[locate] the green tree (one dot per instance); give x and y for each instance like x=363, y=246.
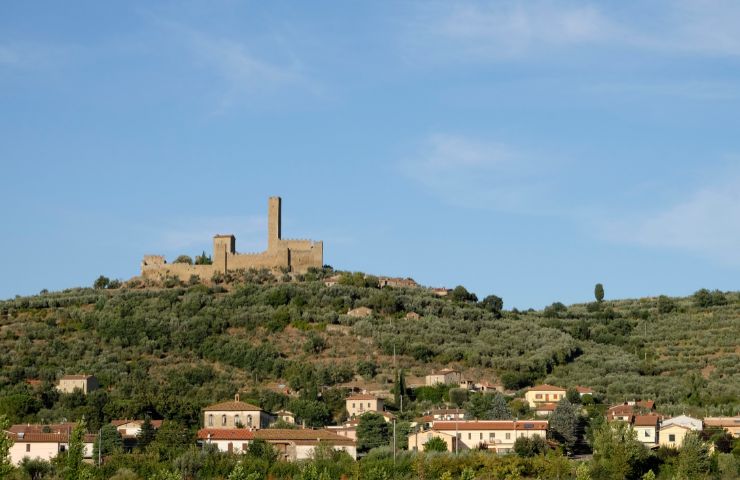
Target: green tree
x=203, y=259
x=172, y=439
x=461, y=294
x=261, y=449
x=184, y=259
x=458, y=396
x=599, y=292
x=372, y=431
x=146, y=434
x=73, y=466
x=435, y=444
x=693, y=458
x=617, y=452
x=573, y=396
x=399, y=389
x=101, y=282
x=564, y=424
x=5, y=445
x=493, y=304
x=529, y=447
x=109, y=439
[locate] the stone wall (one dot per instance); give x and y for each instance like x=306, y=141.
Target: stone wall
x=291, y=255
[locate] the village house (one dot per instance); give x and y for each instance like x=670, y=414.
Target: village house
x=673, y=430
x=583, y=391
x=544, y=409
x=446, y=376
x=44, y=442
x=416, y=441
x=85, y=383
x=362, y=403
x=447, y=414
x=489, y=387
x=730, y=424
x=291, y=445
x=236, y=414
x=544, y=394
x=132, y=428
x=646, y=427
x=625, y=411
x=494, y=435
x=285, y=416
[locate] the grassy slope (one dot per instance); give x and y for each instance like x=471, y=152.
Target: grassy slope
x=193, y=346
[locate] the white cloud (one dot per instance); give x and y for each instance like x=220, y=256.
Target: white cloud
x=484, y=30
x=479, y=174
x=706, y=223
x=245, y=71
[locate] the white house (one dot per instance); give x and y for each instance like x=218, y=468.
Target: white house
x=291, y=445
x=495, y=435
x=44, y=442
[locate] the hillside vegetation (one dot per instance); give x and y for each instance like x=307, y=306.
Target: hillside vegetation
x=168, y=352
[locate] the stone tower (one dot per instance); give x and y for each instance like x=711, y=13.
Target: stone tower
x=273, y=222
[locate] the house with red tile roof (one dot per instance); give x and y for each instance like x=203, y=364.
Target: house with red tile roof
x=43, y=442
x=235, y=414
x=361, y=403
x=494, y=435
x=290, y=444
x=544, y=394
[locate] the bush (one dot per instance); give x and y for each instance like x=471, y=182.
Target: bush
x=101, y=282
x=184, y=259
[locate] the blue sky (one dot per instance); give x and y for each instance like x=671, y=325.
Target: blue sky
x=528, y=149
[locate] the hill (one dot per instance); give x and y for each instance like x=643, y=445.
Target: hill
x=167, y=352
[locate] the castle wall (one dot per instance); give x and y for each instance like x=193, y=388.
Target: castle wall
x=295, y=255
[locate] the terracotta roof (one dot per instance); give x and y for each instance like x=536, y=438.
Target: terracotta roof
x=38, y=428
x=225, y=434
x=301, y=436
x=75, y=377
x=363, y=396
x=118, y=423
x=491, y=425
x=645, y=420
x=35, y=437
x=545, y=388
x=232, y=406
x=722, y=421
x=546, y=407
x=446, y=411
x=584, y=390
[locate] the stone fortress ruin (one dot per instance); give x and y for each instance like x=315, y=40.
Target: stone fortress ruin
x=286, y=255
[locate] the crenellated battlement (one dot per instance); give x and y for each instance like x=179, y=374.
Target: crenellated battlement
x=296, y=255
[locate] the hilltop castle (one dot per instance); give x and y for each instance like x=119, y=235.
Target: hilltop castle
x=290, y=255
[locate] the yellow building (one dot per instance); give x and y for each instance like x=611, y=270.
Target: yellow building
x=544, y=394
x=363, y=403
x=673, y=430
x=85, y=383
x=236, y=414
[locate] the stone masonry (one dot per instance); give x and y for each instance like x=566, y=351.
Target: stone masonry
x=290, y=255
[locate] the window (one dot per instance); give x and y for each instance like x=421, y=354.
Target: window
x=28, y=447
x=492, y=435
x=481, y=436
x=508, y=436
x=647, y=433
x=671, y=437
x=368, y=404
x=210, y=420
x=249, y=420
x=223, y=420
x=237, y=421
x=244, y=447
x=470, y=435
x=353, y=405
x=538, y=395
x=231, y=447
